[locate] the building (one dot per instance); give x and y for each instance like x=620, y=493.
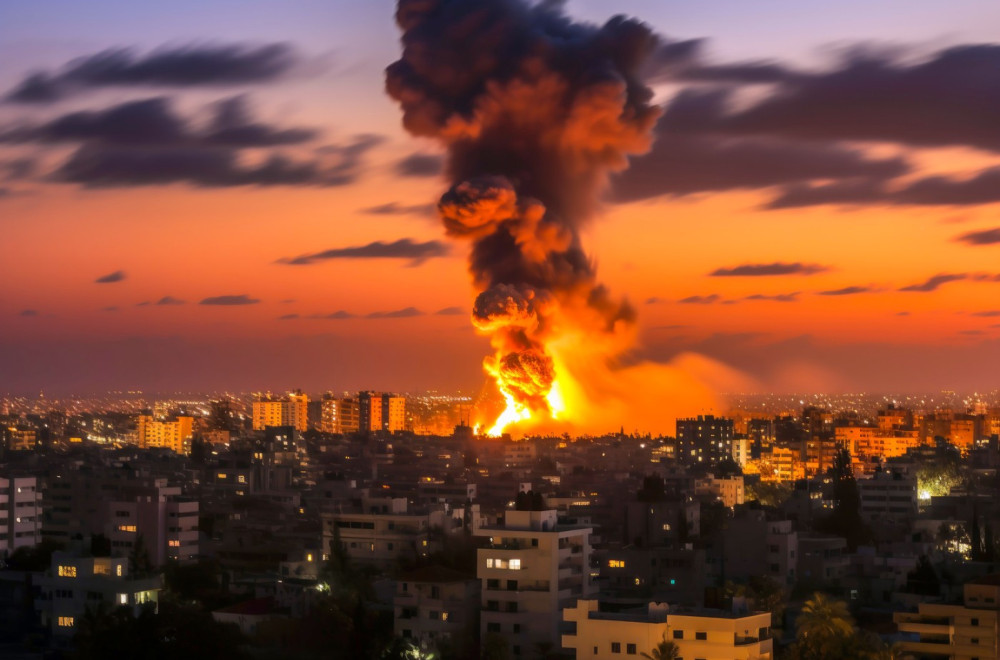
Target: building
x=698, y=633
x=289, y=410
x=122, y=507
x=532, y=569
x=379, y=411
x=75, y=583
x=889, y=497
x=174, y=435
x=960, y=632
x=704, y=439
x=382, y=531
x=754, y=546
x=728, y=490
x=20, y=513
x=437, y=607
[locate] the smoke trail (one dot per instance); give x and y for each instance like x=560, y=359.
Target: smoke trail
x=535, y=112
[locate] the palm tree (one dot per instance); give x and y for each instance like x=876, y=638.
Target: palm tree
x=665, y=650
x=823, y=617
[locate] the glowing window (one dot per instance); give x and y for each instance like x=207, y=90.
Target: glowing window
x=489, y=562
x=221, y=475
x=242, y=479
x=126, y=528
x=616, y=563
x=66, y=621
x=174, y=543
x=67, y=571
x=444, y=616
x=515, y=564
x=123, y=599
x=118, y=570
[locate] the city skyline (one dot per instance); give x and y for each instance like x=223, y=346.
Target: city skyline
x=231, y=203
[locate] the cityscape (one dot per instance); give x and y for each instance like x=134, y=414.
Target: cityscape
x=499, y=330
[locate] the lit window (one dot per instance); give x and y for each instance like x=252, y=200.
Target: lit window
x=242, y=479
x=489, y=562
x=66, y=621
x=174, y=543
x=118, y=570
x=616, y=563
x=67, y=571
x=221, y=475
x=126, y=528
x=309, y=557
x=123, y=599
x=444, y=616
x=515, y=564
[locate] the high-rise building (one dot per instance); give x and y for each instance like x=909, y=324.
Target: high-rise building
x=172, y=434
x=704, y=439
x=289, y=410
x=379, y=411
x=532, y=569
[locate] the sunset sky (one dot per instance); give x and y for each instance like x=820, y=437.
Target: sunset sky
x=219, y=195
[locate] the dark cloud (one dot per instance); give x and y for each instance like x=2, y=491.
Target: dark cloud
x=948, y=98
x=405, y=313
x=974, y=333
x=110, y=278
x=674, y=61
x=190, y=66
x=17, y=169
x=169, y=300
x=421, y=165
x=288, y=317
x=28, y=312
x=234, y=126
x=450, y=311
x=104, y=166
x=681, y=165
x=146, y=143
x=983, y=188
x=701, y=300
x=395, y=208
x=153, y=122
x=849, y=192
x=653, y=300
x=779, y=297
x=144, y=303
x=776, y=268
x=847, y=291
x=110, y=308
x=902, y=313
x=988, y=313
x=241, y=299
x=934, y=282
x=339, y=315
x=404, y=248
x=984, y=237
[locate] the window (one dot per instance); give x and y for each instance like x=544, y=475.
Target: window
x=123, y=599
x=489, y=562
x=444, y=616
x=493, y=627
x=434, y=615
x=616, y=647
x=512, y=606
x=66, y=621
x=406, y=587
x=174, y=543
x=492, y=584
x=435, y=592
x=515, y=564
x=975, y=622
x=511, y=585
x=678, y=634
x=118, y=570
x=630, y=649
x=67, y=571
x=517, y=628
x=701, y=635
x=616, y=563
x=126, y=528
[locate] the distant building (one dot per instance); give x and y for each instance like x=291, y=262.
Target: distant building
x=888, y=497
x=704, y=439
x=383, y=531
x=755, y=546
x=379, y=411
x=20, y=513
x=697, y=633
x=174, y=435
x=532, y=569
x=289, y=410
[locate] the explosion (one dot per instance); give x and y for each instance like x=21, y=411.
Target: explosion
x=535, y=112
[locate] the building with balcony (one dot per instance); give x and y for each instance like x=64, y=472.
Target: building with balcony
x=382, y=531
x=957, y=632
x=698, y=633
x=532, y=569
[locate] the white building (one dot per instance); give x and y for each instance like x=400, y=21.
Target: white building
x=704, y=634
x=20, y=513
x=76, y=583
x=532, y=569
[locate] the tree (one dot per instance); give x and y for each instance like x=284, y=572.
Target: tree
x=139, y=563
x=665, y=650
x=824, y=630
x=495, y=647
x=845, y=521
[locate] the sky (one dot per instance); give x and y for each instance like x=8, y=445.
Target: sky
x=220, y=195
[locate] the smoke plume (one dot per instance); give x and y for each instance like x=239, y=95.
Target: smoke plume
x=535, y=112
